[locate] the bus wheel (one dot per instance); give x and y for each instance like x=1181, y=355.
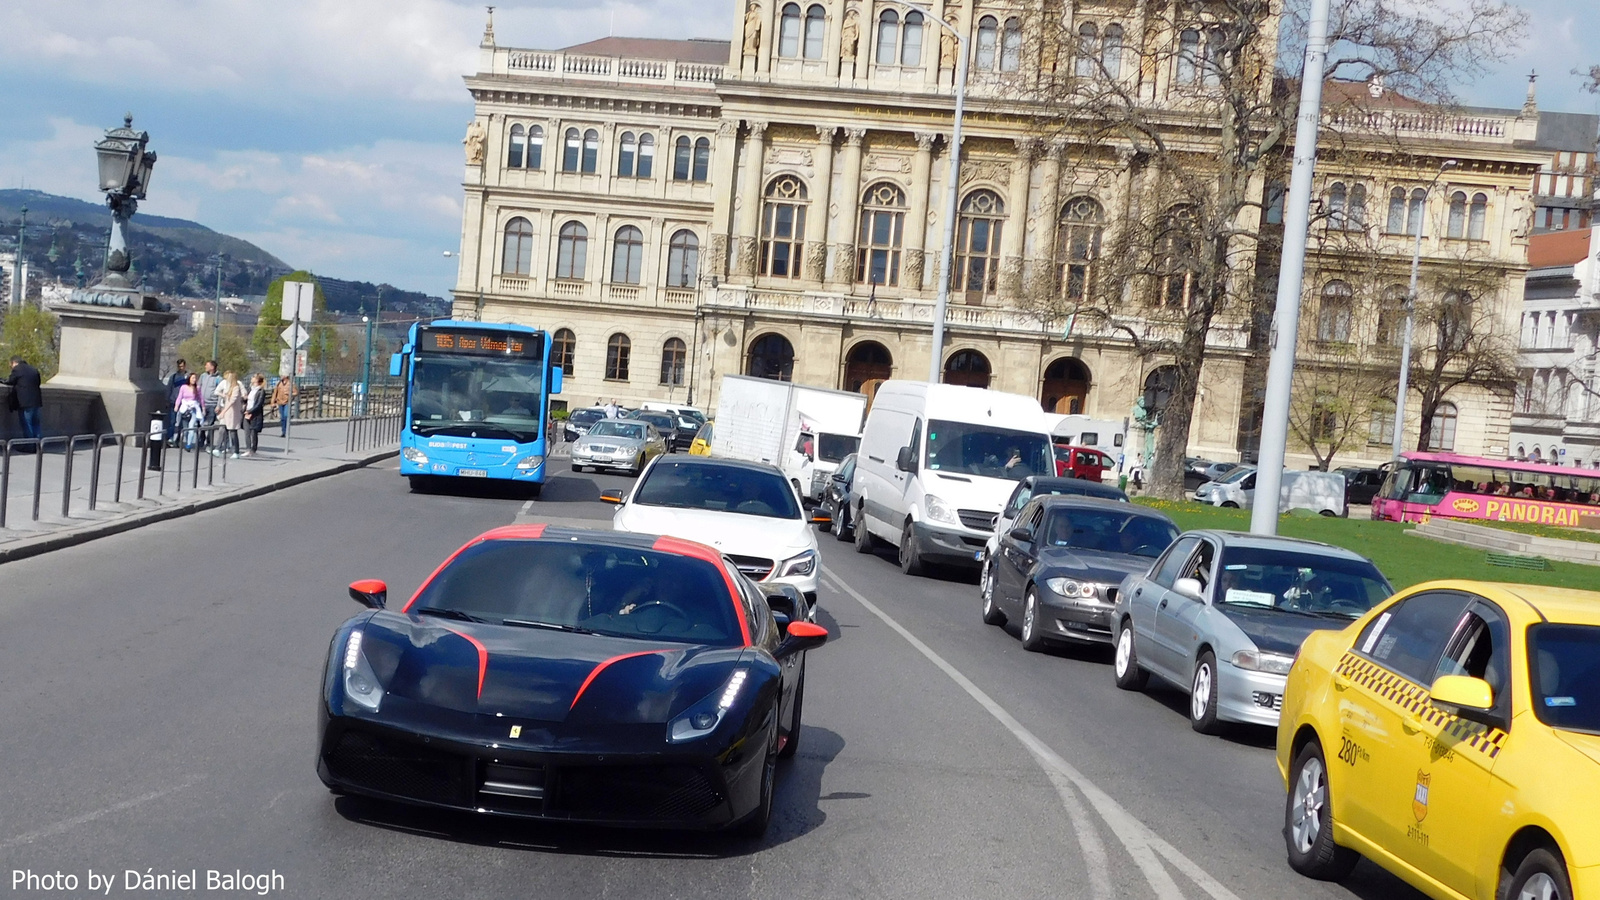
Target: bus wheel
x=420, y=484
x=533, y=490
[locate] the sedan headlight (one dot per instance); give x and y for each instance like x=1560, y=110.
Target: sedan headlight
x=530, y=462
x=939, y=511
x=802, y=564
x=413, y=455
x=1262, y=661
x=361, y=686
x=703, y=718
x=1072, y=588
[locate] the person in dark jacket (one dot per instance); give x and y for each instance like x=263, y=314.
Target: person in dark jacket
x=26, y=397
x=175, y=381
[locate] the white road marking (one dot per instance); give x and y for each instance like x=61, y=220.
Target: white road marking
x=1142, y=844
x=67, y=825
x=525, y=507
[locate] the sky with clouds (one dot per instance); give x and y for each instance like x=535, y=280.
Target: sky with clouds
x=328, y=131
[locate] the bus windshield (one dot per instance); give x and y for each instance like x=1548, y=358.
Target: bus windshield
x=962, y=448
x=466, y=395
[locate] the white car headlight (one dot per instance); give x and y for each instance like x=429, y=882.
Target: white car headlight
x=1072, y=588
x=939, y=511
x=530, y=462
x=413, y=455
x=1263, y=661
x=801, y=564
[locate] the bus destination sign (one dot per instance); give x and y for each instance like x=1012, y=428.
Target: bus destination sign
x=482, y=343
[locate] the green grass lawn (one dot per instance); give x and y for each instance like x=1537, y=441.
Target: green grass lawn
x=1406, y=560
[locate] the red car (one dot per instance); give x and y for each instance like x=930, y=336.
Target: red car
x=1081, y=462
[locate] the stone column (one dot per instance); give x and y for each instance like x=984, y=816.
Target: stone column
x=1044, y=227
x=1011, y=243
x=722, y=181
x=844, y=239
x=115, y=351
x=816, y=262
x=916, y=236
x=750, y=200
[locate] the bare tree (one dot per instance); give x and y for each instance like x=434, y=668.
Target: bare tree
x=1181, y=258
x=1464, y=341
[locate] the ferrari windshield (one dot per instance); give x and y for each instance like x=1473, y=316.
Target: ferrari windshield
x=963, y=448
x=1269, y=578
x=573, y=586
x=734, y=489
x=1565, y=665
x=618, y=429
x=463, y=394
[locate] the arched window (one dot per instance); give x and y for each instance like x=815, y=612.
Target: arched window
x=987, y=50
x=816, y=31
x=1414, y=211
x=911, y=40
x=888, y=35
x=683, y=259
x=572, y=151
x=591, y=152
x=673, y=353
x=883, y=218
x=1088, y=50
x=535, y=147
x=1335, y=313
x=867, y=361
x=572, y=251
x=977, y=258
x=647, y=156
x=627, y=256
x=789, y=30
x=516, y=146
x=1212, y=58
x=1457, y=223
x=771, y=356
x=1356, y=215
x=627, y=146
x=562, y=347
x=1159, y=386
x=1011, y=46
x=1397, y=212
x=518, y=256
x=967, y=367
x=1111, y=51
x=1082, y=223
x=1189, y=57
x=618, y=348
x=1443, y=434
x=1478, y=212
x=1392, y=316
x=1337, y=195
x=702, y=159
x=1177, y=255
x=682, y=153
x=783, y=228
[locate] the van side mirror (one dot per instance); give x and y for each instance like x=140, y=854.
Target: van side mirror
x=906, y=461
x=369, y=592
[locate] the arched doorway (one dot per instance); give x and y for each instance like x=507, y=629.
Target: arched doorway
x=1159, y=386
x=867, y=361
x=967, y=367
x=771, y=356
x=1066, y=386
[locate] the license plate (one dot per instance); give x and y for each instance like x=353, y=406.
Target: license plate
x=473, y=473
x=977, y=555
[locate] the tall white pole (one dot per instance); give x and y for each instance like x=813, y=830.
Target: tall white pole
x=1286, y=318
x=946, y=261
x=1411, y=309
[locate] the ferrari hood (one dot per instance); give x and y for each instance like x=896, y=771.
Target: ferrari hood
x=730, y=533
x=531, y=673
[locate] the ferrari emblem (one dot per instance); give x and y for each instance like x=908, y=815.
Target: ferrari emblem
x=1419, y=800
x=516, y=731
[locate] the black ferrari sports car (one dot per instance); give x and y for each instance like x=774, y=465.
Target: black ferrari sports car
x=571, y=675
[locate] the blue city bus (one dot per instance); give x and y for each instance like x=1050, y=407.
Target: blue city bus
x=477, y=402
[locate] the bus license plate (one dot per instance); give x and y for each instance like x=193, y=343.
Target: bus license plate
x=473, y=473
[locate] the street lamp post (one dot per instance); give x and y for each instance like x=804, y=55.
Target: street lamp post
x=125, y=167
x=16, y=264
x=1411, y=307
x=216, y=314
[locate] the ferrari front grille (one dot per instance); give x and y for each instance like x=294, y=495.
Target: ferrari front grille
x=518, y=789
x=393, y=767
x=662, y=793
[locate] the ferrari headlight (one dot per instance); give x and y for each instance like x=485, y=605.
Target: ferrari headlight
x=803, y=564
x=1262, y=661
x=413, y=455
x=1072, y=588
x=361, y=686
x=530, y=462
x=939, y=511
x=703, y=718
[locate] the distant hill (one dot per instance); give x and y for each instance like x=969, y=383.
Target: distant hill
x=363, y=297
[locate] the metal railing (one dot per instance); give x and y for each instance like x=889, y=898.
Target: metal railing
x=96, y=451
x=368, y=432
x=340, y=398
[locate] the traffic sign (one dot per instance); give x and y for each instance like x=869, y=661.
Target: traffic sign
x=297, y=300
x=300, y=359
x=295, y=335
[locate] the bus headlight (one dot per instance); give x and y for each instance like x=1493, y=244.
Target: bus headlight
x=530, y=462
x=413, y=455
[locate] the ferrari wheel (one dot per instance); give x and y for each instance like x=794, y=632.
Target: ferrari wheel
x=991, y=611
x=754, y=826
x=1308, y=820
x=1125, y=665
x=1203, y=696
x=792, y=745
x=1032, y=640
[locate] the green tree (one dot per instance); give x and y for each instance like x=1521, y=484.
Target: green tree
x=233, y=354
x=266, y=343
x=30, y=332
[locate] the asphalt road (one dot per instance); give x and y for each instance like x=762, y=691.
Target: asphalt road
x=158, y=708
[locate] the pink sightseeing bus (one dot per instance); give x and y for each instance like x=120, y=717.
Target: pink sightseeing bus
x=1424, y=485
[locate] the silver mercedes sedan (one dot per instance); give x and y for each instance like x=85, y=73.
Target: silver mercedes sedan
x=1222, y=614
x=618, y=444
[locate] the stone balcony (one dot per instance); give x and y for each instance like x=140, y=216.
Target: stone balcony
x=1406, y=124
x=565, y=66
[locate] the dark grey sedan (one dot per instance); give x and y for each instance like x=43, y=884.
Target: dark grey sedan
x=1058, y=567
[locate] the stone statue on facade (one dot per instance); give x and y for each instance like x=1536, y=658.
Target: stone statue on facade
x=948, y=46
x=850, y=36
x=474, y=143
x=752, y=29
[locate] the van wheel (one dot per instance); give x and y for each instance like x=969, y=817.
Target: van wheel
x=910, y=555
x=1329, y=513
x=1230, y=505
x=865, y=543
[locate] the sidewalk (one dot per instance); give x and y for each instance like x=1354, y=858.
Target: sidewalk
x=316, y=450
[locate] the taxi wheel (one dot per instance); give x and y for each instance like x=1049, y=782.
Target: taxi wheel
x=991, y=610
x=1032, y=637
x=1540, y=876
x=1203, y=696
x=1125, y=665
x=1308, y=820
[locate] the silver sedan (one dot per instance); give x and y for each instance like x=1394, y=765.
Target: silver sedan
x=1221, y=615
x=618, y=444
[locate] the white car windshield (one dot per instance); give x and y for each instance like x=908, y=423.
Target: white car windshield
x=718, y=488
x=617, y=429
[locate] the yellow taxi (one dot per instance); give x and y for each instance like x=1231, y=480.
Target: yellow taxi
x=702, y=440
x=1452, y=736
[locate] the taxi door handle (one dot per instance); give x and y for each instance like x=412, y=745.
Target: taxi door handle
x=1340, y=684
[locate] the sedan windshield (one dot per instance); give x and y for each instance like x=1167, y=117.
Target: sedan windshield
x=570, y=586
x=663, y=422
x=1108, y=532
x=962, y=448
x=733, y=489
x=618, y=429
x=457, y=395
x=1565, y=665
x=1299, y=582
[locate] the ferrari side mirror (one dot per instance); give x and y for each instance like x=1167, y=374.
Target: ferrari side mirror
x=801, y=636
x=369, y=592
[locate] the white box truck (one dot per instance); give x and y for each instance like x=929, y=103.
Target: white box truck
x=805, y=431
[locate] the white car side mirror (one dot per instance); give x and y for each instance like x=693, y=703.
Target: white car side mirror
x=1189, y=587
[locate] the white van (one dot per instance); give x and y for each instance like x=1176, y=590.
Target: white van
x=1320, y=492
x=936, y=464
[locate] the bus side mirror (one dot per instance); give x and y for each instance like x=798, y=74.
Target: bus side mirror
x=396, y=363
x=555, y=380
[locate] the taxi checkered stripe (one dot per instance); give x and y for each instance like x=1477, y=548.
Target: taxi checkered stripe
x=1414, y=699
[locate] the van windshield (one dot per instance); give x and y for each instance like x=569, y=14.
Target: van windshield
x=964, y=448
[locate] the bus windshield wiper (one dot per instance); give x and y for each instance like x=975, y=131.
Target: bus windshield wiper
x=460, y=429
x=446, y=613
x=552, y=626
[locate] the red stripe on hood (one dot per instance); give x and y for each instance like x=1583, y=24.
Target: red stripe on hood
x=711, y=555
x=597, y=670
x=483, y=654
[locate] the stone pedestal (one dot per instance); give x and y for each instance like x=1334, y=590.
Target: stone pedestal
x=114, y=350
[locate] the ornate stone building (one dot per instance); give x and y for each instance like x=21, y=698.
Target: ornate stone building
x=679, y=210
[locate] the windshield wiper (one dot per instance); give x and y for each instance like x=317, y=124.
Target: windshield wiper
x=455, y=429
x=552, y=626
x=446, y=613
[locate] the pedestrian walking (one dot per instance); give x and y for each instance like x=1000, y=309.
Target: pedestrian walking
x=255, y=412
x=189, y=411
x=229, y=414
x=26, y=397
x=175, y=383
x=209, y=381
x=283, y=395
